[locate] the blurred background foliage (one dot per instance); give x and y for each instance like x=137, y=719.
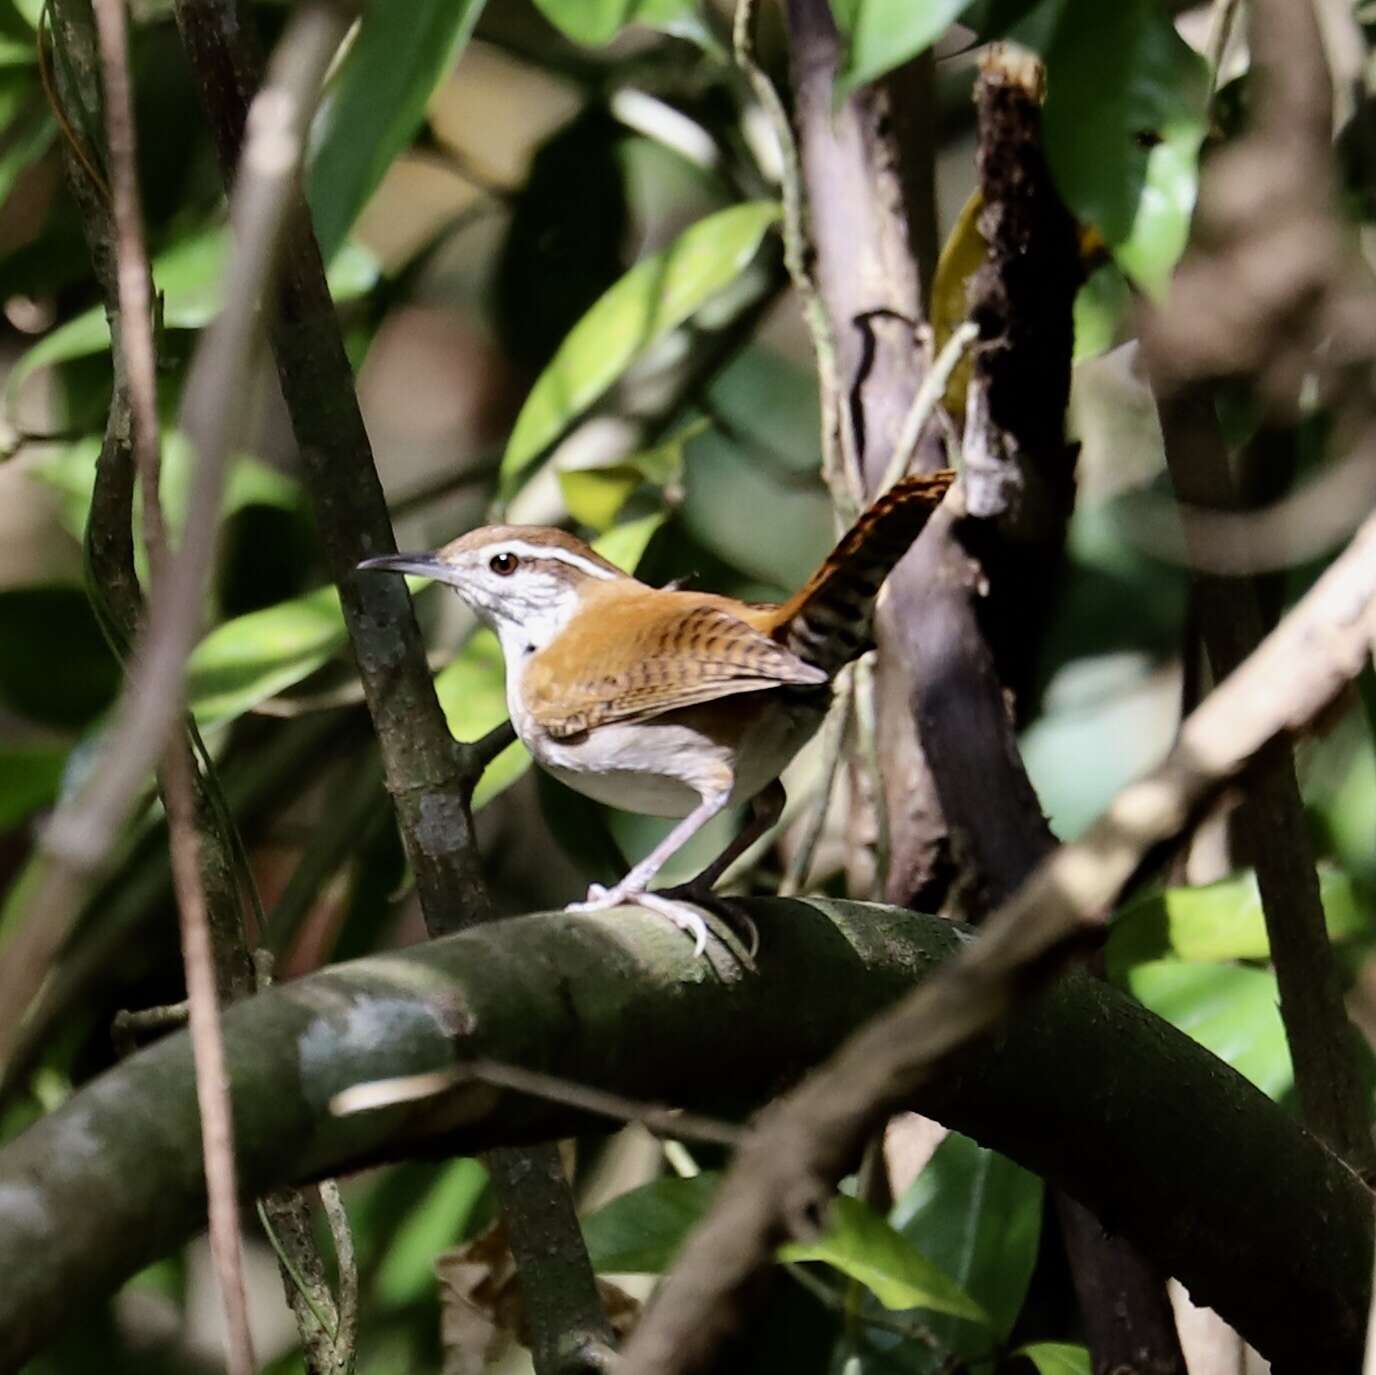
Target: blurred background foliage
x=552, y=236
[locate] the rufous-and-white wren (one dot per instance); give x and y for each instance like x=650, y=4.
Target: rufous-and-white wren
x=665, y=701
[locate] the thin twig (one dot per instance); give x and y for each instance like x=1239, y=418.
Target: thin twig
x=74, y=140
x=866, y=690
x=656, y=1118
x=328, y=1329
x=133, y=280
x=1221, y=22
x=1297, y=528
x=829, y=1297
x=783, y=1174
x=833, y=748
x=212, y=1083
x=928, y=398
x=346, y=1332
x=136, y=343
x=127, y=1027
x=841, y=469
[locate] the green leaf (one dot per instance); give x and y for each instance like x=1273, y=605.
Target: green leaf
x=377, y=103
x=861, y=1244
x=71, y=471
x=1230, y=1009
x=1057, y=1358
x=596, y=493
x=1218, y=921
x=251, y=658
x=1029, y=22
x=18, y=44
x=440, y=1219
x=882, y=34
x=55, y=667
x=1101, y=305
x=594, y=23
x=657, y=295
x=190, y=276
x=472, y=693
x=977, y=1216
x=30, y=776
x=1124, y=119
x=25, y=116
x=641, y=1231
x=625, y=545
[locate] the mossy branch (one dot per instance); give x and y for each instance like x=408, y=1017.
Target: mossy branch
x=1164, y=1142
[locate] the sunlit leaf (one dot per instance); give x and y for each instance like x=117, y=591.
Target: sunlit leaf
x=18, y=44
x=71, y=471
x=596, y=22
x=861, y=1244
x=595, y=493
x=1233, y=1010
x=1124, y=118
x=625, y=545
x=377, y=103
x=1101, y=305
x=1057, y=1358
x=654, y=297
x=1161, y=227
x=962, y=255
x=882, y=34
x=190, y=276
x=977, y=1216
x=1218, y=921
x=641, y=1231
x=251, y=658
x=440, y=1219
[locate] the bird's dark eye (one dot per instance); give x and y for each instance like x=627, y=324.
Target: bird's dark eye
x=503, y=563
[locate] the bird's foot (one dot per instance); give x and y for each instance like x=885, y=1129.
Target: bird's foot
x=728, y=910
x=684, y=916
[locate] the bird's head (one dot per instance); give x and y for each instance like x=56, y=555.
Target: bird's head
x=525, y=581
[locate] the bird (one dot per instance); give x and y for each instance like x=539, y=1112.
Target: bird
x=664, y=700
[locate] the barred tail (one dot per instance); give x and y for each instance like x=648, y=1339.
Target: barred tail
x=827, y=624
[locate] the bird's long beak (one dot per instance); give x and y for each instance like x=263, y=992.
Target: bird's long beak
x=423, y=565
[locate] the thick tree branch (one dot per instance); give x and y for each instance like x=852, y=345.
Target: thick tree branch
x=964, y=612
x=809, y=1139
x=871, y=215
x=1214, y=1181
x=972, y=625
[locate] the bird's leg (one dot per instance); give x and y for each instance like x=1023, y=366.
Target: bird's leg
x=633, y=887
x=766, y=807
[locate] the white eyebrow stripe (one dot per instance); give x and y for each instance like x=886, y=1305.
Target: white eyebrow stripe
x=525, y=550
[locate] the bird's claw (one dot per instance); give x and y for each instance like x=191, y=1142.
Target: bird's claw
x=688, y=919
